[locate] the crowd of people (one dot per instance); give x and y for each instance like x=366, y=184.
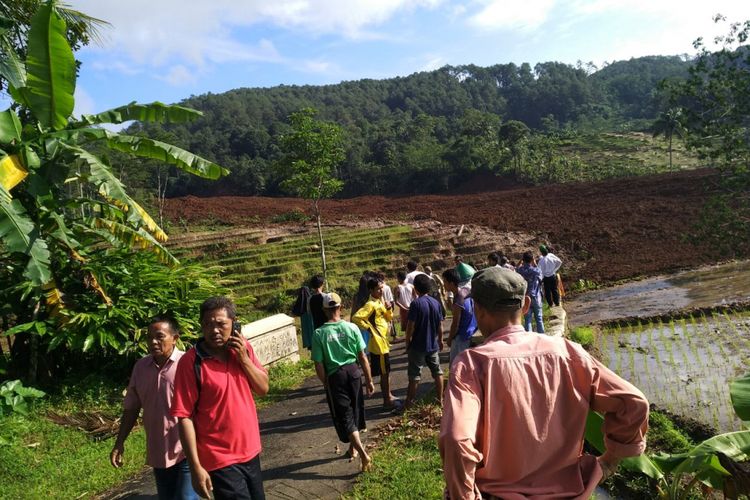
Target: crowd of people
x=515, y=405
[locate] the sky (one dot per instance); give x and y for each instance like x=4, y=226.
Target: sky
x=168, y=50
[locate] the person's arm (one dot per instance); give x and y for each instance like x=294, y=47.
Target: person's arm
x=440, y=332
x=365, y=364
x=360, y=318
x=458, y=445
x=200, y=478
x=127, y=421
x=254, y=371
x=320, y=371
x=625, y=411
x=456, y=311
x=557, y=262
x=409, y=333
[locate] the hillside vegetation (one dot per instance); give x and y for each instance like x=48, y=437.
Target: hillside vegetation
x=425, y=132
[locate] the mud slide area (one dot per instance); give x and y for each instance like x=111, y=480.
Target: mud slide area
x=606, y=231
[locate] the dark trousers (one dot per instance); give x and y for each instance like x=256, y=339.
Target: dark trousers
x=551, y=292
x=239, y=481
x=174, y=482
x=346, y=401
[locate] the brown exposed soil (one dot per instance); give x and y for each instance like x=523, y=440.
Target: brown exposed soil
x=612, y=230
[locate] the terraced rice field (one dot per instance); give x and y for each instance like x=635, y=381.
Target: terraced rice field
x=684, y=365
x=264, y=276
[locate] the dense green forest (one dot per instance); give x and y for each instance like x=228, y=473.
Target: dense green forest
x=421, y=133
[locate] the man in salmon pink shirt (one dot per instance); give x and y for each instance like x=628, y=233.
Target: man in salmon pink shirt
x=515, y=408
x=214, y=403
x=151, y=387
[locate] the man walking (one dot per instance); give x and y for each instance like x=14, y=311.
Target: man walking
x=549, y=264
x=337, y=346
x=214, y=403
x=374, y=317
x=463, y=322
x=533, y=277
x=424, y=339
x=150, y=388
x=516, y=407
x=404, y=296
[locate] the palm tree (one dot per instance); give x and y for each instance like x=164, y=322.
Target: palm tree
x=668, y=124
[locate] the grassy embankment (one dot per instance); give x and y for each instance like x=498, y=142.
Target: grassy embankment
x=609, y=155
x=265, y=277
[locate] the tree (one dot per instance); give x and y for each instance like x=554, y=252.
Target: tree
x=513, y=137
x=668, y=124
x=59, y=202
x=312, y=152
x=715, y=104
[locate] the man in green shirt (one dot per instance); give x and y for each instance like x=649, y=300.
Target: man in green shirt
x=336, y=348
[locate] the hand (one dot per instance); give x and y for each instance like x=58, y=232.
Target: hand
x=370, y=388
x=115, y=457
x=201, y=482
x=608, y=467
x=237, y=343
x=441, y=346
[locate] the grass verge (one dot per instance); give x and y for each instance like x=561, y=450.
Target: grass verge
x=406, y=460
x=44, y=459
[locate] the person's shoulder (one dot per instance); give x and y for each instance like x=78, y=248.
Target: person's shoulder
x=142, y=363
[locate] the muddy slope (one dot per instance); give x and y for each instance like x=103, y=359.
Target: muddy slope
x=613, y=229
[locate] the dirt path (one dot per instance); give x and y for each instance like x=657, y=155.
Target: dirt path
x=299, y=456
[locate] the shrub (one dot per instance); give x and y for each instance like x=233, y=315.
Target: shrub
x=584, y=335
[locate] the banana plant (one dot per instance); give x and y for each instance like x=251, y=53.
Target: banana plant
x=59, y=198
x=712, y=464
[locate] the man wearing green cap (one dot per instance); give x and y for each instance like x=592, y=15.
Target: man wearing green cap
x=549, y=264
x=516, y=406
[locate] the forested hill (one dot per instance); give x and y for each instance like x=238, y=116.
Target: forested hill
x=419, y=133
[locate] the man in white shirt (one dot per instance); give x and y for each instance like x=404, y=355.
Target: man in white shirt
x=549, y=264
x=412, y=272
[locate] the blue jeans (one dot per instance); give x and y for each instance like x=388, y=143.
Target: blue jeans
x=536, y=310
x=174, y=483
x=458, y=345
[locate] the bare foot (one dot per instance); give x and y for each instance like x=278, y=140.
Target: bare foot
x=366, y=463
x=352, y=453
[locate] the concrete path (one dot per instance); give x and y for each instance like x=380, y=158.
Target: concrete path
x=302, y=456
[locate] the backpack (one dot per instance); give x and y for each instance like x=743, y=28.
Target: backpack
x=299, y=307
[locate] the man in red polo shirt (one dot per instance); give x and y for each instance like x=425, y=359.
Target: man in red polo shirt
x=213, y=400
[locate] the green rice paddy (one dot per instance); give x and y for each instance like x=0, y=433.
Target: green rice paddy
x=683, y=365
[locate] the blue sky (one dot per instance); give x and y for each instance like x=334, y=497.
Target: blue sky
x=167, y=50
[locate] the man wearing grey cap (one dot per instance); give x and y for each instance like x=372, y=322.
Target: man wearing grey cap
x=516, y=406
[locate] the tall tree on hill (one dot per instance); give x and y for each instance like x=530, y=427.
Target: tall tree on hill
x=313, y=150
x=668, y=124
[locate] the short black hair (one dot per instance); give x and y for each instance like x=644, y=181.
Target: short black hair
x=316, y=282
x=373, y=283
x=494, y=257
x=528, y=257
x=411, y=265
x=503, y=260
x=422, y=283
x=170, y=320
x=401, y=276
x=451, y=276
x=214, y=303
x=380, y=275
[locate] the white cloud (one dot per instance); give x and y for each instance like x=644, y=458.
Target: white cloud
x=511, y=14
x=433, y=63
x=84, y=103
x=178, y=75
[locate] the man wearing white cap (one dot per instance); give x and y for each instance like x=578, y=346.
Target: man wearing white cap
x=336, y=348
